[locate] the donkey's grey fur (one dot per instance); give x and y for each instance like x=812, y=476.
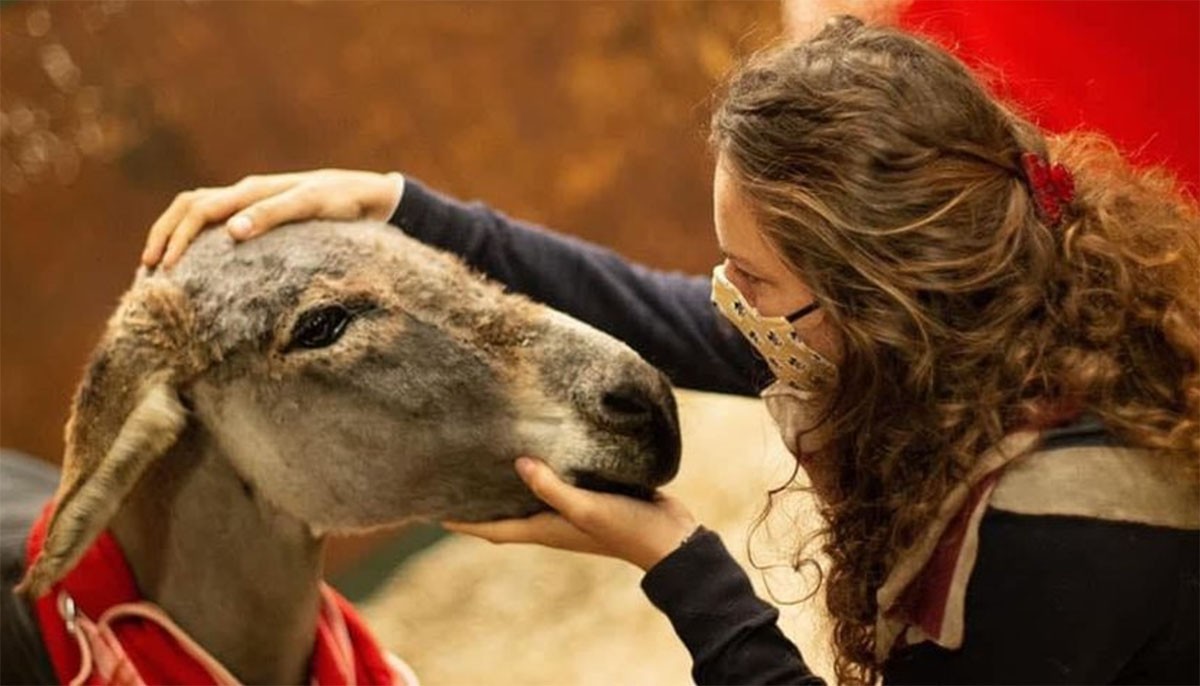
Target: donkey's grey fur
x=438, y=382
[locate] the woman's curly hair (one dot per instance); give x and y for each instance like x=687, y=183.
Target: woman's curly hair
x=889, y=179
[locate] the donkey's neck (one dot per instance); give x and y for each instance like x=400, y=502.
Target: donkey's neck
x=240, y=577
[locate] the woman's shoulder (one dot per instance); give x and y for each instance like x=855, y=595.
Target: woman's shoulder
x=1082, y=561
x=1083, y=470
x=1044, y=555
x=1066, y=532
x=1078, y=599
x=1087, y=562
x=1085, y=504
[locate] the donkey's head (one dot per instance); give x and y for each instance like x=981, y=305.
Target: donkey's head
x=353, y=377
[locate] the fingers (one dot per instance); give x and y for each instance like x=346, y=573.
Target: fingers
x=300, y=202
x=191, y=211
x=506, y=530
x=325, y=194
x=160, y=232
x=257, y=204
x=576, y=504
x=546, y=528
x=639, y=532
x=193, y=220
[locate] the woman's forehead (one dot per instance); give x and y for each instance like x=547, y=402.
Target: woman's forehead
x=736, y=224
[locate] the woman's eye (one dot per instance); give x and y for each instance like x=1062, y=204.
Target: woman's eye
x=746, y=276
x=319, y=327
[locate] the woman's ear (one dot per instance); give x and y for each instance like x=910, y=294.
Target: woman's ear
x=126, y=414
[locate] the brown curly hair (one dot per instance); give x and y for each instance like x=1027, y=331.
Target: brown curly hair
x=888, y=178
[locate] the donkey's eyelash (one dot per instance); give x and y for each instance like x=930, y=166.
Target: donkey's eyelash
x=321, y=326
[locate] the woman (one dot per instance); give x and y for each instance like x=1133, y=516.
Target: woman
x=980, y=344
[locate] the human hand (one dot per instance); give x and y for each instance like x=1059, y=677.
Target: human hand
x=257, y=204
x=639, y=532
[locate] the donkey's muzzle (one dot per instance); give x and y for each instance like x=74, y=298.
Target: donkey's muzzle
x=644, y=409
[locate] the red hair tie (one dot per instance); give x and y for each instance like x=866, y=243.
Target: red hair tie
x=1053, y=188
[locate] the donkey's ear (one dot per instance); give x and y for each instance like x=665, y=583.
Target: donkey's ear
x=126, y=414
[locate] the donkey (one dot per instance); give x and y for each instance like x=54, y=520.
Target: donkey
x=326, y=377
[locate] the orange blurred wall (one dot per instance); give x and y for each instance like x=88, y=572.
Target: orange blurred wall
x=589, y=117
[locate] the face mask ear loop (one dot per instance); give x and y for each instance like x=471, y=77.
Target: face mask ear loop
x=802, y=312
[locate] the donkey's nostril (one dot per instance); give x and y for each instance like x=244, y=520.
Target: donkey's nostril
x=640, y=417
x=627, y=403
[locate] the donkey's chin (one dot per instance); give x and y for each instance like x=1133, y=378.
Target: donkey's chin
x=494, y=511
x=593, y=481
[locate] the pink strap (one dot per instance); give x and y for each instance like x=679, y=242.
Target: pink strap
x=104, y=660
x=153, y=613
x=102, y=653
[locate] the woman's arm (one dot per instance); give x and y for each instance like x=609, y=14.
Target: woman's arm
x=731, y=634
x=667, y=317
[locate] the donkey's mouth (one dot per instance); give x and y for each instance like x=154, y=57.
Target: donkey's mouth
x=595, y=482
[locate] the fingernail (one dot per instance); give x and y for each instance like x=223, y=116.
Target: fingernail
x=524, y=466
x=239, y=225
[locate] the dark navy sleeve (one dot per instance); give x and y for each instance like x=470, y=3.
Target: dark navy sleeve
x=1052, y=600
x=666, y=317
x=732, y=635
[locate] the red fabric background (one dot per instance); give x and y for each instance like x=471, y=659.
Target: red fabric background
x=1129, y=69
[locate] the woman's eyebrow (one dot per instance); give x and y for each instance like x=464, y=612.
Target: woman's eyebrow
x=730, y=256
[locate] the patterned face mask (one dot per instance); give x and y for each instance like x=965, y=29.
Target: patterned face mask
x=792, y=361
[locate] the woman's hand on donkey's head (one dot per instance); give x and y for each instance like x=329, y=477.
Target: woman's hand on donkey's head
x=257, y=204
x=636, y=531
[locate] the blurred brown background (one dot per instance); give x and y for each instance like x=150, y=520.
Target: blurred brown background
x=589, y=117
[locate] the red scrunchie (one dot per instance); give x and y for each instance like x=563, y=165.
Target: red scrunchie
x=1053, y=188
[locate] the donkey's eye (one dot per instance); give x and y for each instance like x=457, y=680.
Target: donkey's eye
x=320, y=327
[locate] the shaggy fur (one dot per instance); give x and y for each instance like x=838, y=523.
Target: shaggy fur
x=220, y=449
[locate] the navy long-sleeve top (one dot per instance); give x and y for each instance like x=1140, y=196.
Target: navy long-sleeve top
x=1052, y=599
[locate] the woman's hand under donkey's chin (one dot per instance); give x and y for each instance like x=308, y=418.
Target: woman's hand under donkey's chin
x=257, y=204
x=636, y=531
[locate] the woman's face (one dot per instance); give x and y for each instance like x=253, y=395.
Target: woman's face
x=753, y=266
